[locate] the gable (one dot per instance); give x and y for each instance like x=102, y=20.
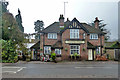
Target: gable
x=75, y=24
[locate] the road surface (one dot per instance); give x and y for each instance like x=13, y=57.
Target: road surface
x=61, y=70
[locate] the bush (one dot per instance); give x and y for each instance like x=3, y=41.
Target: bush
x=53, y=56
x=9, y=54
x=28, y=60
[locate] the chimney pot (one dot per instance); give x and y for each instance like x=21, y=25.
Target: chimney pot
x=67, y=19
x=96, y=23
x=61, y=20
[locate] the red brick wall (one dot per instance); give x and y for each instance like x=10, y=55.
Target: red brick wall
x=96, y=42
x=47, y=41
x=41, y=43
x=66, y=54
x=66, y=35
x=51, y=41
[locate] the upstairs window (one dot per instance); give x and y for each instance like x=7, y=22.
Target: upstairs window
x=83, y=35
x=74, y=33
x=52, y=35
x=93, y=36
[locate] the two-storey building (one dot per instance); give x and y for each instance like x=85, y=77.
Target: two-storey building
x=68, y=37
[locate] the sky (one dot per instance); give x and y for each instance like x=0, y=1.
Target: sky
x=49, y=11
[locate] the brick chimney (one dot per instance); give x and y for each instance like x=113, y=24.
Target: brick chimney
x=61, y=21
x=96, y=23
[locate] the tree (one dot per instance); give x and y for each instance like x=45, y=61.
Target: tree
x=10, y=28
x=102, y=28
x=38, y=28
x=12, y=36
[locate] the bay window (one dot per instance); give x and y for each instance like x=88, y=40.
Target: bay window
x=74, y=49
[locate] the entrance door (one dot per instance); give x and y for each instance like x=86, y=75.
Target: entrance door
x=116, y=54
x=90, y=55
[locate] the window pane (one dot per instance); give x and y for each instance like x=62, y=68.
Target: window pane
x=74, y=33
x=77, y=47
x=74, y=49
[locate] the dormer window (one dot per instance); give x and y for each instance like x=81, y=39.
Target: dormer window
x=93, y=36
x=74, y=33
x=52, y=35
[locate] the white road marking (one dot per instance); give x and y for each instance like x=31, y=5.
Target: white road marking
x=19, y=69
x=9, y=71
x=12, y=68
x=92, y=67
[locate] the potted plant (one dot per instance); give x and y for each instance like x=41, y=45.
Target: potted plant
x=75, y=55
x=83, y=49
x=53, y=56
x=41, y=49
x=66, y=49
x=71, y=56
x=78, y=57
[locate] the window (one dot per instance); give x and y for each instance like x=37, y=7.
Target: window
x=98, y=50
x=58, y=51
x=74, y=33
x=83, y=35
x=47, y=50
x=93, y=36
x=74, y=49
x=52, y=36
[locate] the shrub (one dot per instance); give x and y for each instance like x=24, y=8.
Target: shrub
x=53, y=56
x=28, y=60
x=9, y=54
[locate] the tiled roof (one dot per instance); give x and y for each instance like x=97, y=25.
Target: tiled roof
x=92, y=29
x=89, y=45
x=54, y=28
x=36, y=45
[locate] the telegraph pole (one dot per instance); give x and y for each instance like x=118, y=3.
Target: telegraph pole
x=64, y=8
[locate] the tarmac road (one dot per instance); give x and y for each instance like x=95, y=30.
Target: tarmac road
x=61, y=70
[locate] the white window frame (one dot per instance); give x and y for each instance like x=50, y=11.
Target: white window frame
x=75, y=49
x=52, y=35
x=48, y=48
x=93, y=36
x=74, y=33
x=59, y=50
x=84, y=35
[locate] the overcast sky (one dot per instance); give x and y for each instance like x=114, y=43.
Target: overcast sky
x=50, y=10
